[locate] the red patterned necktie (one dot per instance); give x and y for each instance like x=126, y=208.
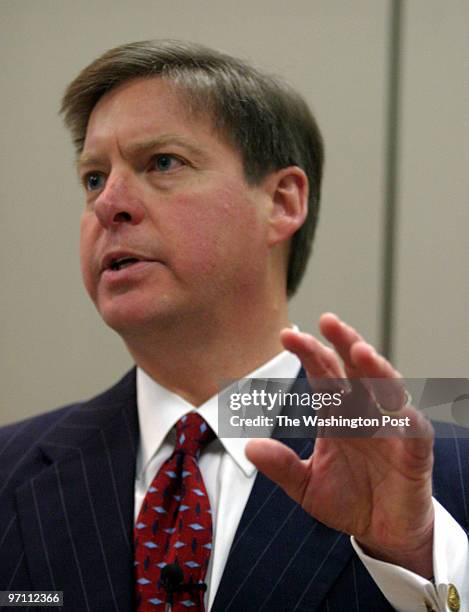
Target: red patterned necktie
x=174, y=525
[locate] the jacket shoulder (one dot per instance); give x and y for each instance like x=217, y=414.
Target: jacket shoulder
x=24, y=433
x=22, y=438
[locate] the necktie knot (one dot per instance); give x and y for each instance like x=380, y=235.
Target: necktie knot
x=192, y=434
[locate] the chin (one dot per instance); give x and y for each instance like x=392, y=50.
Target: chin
x=130, y=319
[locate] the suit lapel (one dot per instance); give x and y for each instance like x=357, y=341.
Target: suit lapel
x=281, y=557
x=76, y=515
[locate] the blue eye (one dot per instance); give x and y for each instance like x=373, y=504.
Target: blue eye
x=94, y=181
x=164, y=162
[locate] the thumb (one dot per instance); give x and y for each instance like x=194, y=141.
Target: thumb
x=279, y=463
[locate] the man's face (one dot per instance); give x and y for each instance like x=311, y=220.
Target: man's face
x=170, y=227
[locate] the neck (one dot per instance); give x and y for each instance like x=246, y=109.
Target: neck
x=192, y=357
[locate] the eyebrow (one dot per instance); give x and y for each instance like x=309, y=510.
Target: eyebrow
x=145, y=146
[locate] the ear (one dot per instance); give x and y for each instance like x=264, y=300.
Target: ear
x=288, y=190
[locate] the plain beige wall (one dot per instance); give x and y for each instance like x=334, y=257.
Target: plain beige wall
x=432, y=314
x=54, y=347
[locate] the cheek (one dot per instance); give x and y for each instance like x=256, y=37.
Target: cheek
x=86, y=260
x=216, y=228
x=209, y=226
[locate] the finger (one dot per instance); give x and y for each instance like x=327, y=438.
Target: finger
x=281, y=464
x=380, y=376
x=419, y=436
x=362, y=361
x=370, y=363
x=319, y=360
x=341, y=335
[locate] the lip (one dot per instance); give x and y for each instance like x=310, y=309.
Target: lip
x=129, y=273
x=126, y=273
x=111, y=256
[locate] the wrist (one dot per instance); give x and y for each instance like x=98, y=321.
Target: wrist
x=415, y=556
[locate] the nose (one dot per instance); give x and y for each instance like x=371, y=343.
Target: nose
x=119, y=203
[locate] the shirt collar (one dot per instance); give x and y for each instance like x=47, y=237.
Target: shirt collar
x=159, y=410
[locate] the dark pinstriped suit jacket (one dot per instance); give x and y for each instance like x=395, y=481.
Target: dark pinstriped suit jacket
x=66, y=520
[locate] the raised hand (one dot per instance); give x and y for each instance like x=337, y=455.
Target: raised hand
x=377, y=489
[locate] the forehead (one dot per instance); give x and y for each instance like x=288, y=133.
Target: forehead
x=141, y=107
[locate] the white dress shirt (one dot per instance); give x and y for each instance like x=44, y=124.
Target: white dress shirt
x=229, y=477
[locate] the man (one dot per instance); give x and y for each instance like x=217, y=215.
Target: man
x=202, y=180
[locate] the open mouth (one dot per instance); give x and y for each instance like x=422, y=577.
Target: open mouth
x=122, y=262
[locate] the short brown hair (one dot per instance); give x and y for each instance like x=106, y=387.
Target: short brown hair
x=262, y=117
